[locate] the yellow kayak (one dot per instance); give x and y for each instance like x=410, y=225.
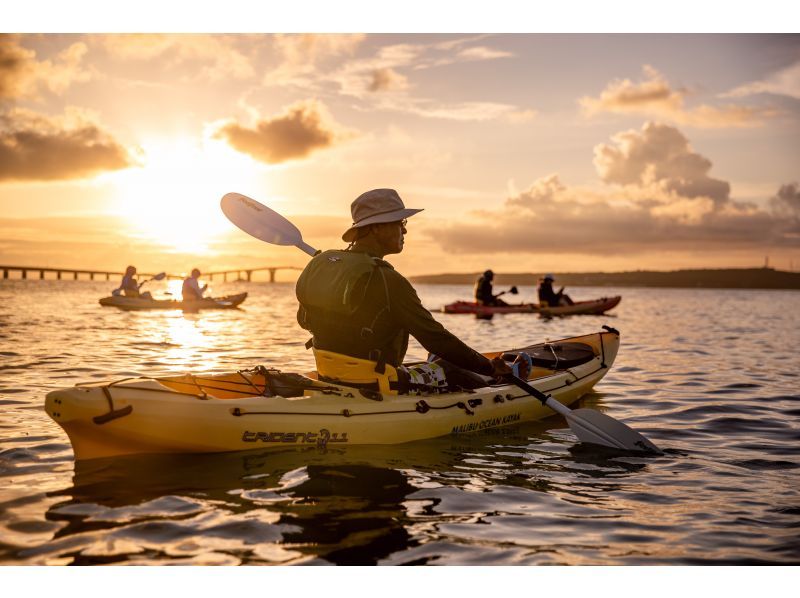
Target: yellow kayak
x=134, y=303
x=264, y=408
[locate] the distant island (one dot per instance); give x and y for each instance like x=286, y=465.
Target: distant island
x=732, y=278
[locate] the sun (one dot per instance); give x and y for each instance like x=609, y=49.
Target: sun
x=173, y=199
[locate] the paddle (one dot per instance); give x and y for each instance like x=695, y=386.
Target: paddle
x=592, y=426
x=588, y=425
x=262, y=222
x=513, y=290
x=159, y=276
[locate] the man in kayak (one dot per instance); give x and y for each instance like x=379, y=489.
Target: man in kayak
x=484, y=294
x=130, y=286
x=357, y=305
x=192, y=291
x=547, y=294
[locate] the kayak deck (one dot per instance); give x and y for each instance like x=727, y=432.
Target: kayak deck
x=134, y=303
x=243, y=410
x=590, y=307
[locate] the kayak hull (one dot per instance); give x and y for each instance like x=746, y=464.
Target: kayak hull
x=592, y=307
x=226, y=412
x=137, y=303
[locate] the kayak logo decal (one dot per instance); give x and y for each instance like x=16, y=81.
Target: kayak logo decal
x=250, y=203
x=321, y=438
x=486, y=423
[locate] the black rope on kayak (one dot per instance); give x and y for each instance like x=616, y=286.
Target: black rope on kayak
x=112, y=413
x=602, y=353
x=249, y=381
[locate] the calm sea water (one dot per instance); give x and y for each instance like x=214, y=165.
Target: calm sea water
x=712, y=376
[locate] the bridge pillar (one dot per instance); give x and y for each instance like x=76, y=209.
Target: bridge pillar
x=249, y=275
x=24, y=274
x=108, y=276
x=5, y=273
x=59, y=274
x=41, y=274
x=272, y=274
x=91, y=275
x=224, y=277
x=75, y=275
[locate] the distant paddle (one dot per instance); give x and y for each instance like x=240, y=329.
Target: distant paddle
x=262, y=222
x=159, y=276
x=592, y=426
x=513, y=290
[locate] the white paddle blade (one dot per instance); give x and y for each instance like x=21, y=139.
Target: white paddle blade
x=262, y=222
x=598, y=428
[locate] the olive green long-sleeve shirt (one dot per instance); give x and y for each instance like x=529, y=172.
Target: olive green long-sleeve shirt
x=406, y=316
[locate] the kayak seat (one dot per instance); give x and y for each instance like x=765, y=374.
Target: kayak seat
x=353, y=371
x=557, y=357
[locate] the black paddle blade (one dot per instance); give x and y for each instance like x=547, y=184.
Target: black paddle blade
x=513, y=290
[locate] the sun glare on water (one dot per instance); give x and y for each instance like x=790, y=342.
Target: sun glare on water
x=173, y=200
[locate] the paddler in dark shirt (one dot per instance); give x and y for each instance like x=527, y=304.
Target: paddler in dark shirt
x=356, y=304
x=484, y=293
x=547, y=294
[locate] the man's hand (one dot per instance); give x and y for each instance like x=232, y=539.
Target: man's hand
x=500, y=368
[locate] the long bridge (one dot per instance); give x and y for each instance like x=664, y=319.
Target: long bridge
x=241, y=274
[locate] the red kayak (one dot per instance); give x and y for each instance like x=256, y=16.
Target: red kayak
x=595, y=306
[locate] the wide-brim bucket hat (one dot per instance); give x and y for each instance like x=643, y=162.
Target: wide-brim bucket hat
x=376, y=207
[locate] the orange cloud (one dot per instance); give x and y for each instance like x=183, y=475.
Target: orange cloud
x=22, y=76
x=387, y=79
x=304, y=127
x=655, y=97
x=35, y=147
x=217, y=55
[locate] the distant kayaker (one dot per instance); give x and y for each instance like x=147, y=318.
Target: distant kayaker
x=357, y=305
x=192, y=291
x=130, y=286
x=484, y=294
x=547, y=294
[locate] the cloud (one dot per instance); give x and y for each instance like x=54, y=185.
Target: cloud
x=658, y=154
x=304, y=127
x=785, y=82
x=218, y=54
x=483, y=53
x=660, y=198
x=786, y=205
x=655, y=97
x=382, y=81
x=37, y=148
x=386, y=79
x=22, y=76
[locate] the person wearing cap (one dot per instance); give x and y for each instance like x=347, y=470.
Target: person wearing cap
x=484, y=293
x=357, y=305
x=191, y=290
x=548, y=295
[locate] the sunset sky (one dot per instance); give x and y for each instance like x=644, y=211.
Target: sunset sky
x=528, y=152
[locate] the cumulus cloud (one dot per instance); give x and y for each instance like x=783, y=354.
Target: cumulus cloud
x=660, y=197
x=304, y=127
x=658, y=154
x=217, y=55
x=35, y=147
x=655, y=97
x=23, y=76
x=785, y=82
